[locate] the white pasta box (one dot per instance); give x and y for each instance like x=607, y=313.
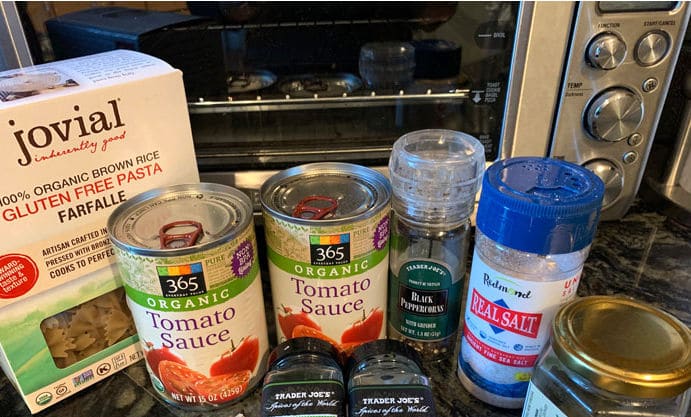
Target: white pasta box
x=79, y=137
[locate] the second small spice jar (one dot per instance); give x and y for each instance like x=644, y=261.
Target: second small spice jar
x=613, y=356
x=304, y=378
x=386, y=379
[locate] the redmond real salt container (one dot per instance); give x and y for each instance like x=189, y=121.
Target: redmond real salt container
x=188, y=259
x=536, y=219
x=327, y=235
x=613, y=356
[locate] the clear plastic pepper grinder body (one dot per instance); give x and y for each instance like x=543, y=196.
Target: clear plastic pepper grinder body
x=415, y=245
x=435, y=176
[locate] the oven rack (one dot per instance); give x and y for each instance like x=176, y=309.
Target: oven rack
x=306, y=23
x=353, y=100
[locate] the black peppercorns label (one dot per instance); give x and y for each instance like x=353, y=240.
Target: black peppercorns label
x=303, y=398
x=391, y=400
x=425, y=301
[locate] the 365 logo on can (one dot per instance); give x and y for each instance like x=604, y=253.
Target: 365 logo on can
x=182, y=280
x=330, y=249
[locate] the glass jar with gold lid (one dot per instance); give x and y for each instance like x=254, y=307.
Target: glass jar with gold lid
x=612, y=356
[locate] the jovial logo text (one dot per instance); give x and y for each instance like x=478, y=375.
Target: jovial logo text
x=82, y=125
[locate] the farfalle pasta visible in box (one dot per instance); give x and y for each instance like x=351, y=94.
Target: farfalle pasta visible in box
x=79, y=137
x=88, y=328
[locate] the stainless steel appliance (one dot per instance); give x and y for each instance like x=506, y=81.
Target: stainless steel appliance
x=581, y=81
x=668, y=177
x=616, y=78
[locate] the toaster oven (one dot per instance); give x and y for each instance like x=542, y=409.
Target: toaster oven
x=306, y=82
x=580, y=81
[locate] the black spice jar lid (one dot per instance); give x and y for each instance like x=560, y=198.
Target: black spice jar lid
x=382, y=347
x=301, y=345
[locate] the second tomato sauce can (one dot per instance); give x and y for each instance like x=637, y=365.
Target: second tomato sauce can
x=327, y=235
x=187, y=255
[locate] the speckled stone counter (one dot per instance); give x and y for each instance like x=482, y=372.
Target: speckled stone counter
x=645, y=256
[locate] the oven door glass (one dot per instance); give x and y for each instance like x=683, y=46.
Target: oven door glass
x=319, y=82
x=276, y=84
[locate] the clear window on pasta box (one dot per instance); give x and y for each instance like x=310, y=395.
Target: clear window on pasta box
x=87, y=329
x=59, y=342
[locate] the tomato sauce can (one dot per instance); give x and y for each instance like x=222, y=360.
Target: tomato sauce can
x=187, y=256
x=327, y=236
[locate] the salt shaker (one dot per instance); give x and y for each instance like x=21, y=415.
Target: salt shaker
x=435, y=176
x=535, y=223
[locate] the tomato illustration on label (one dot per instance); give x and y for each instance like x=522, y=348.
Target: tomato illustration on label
x=223, y=388
x=178, y=379
x=288, y=320
x=305, y=331
x=344, y=349
x=365, y=330
x=188, y=385
x=154, y=356
x=243, y=357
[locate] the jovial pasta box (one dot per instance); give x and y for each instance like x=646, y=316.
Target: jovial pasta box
x=79, y=137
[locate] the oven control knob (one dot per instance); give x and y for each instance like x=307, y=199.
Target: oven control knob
x=651, y=48
x=611, y=176
x=614, y=115
x=606, y=51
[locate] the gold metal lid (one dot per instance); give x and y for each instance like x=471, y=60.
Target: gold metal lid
x=624, y=346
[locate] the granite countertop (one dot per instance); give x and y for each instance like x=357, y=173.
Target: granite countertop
x=645, y=255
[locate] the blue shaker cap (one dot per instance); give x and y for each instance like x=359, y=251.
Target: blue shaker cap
x=540, y=205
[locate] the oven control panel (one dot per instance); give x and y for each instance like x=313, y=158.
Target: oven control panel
x=621, y=61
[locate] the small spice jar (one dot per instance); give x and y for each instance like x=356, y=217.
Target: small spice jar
x=612, y=356
x=304, y=378
x=386, y=379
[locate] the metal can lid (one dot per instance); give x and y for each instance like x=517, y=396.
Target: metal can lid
x=329, y=192
x=624, y=346
x=179, y=219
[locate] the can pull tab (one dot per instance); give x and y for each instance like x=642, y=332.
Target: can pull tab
x=180, y=240
x=305, y=210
